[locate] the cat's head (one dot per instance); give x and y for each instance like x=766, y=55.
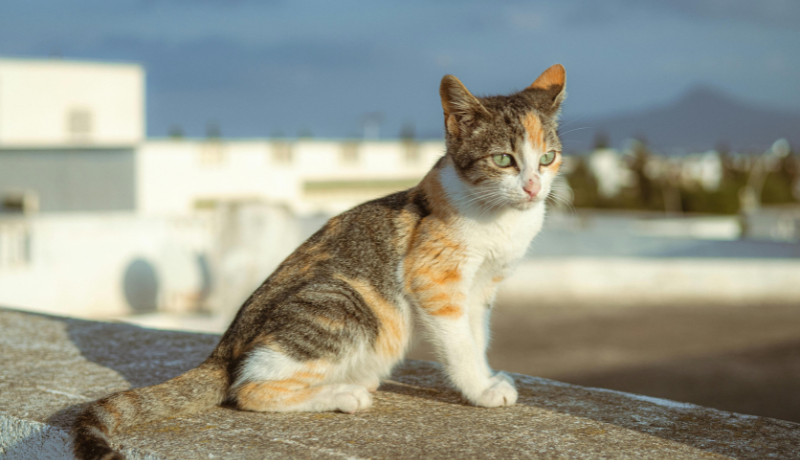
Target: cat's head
x=505, y=149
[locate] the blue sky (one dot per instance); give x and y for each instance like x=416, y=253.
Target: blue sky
x=260, y=67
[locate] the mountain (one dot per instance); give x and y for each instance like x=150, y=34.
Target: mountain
x=701, y=119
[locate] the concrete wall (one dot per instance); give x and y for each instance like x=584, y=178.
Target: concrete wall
x=71, y=179
x=47, y=103
x=654, y=282
x=104, y=265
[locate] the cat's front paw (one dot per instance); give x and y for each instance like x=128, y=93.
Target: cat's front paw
x=501, y=392
x=351, y=398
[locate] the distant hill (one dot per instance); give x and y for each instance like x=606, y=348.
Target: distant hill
x=701, y=119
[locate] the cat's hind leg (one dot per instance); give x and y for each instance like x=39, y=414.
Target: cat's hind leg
x=294, y=396
x=271, y=381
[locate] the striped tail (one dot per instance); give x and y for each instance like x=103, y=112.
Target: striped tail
x=200, y=388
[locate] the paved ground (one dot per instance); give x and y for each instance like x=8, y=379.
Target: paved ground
x=741, y=359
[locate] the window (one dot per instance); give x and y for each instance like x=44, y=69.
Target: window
x=350, y=153
x=79, y=124
x=281, y=152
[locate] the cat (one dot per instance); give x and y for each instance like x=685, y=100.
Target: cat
x=335, y=317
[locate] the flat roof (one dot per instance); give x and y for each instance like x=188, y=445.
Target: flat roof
x=63, y=61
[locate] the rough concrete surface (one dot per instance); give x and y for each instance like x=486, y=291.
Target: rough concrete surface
x=50, y=367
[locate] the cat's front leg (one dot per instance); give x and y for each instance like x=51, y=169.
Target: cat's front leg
x=464, y=360
x=481, y=300
x=440, y=277
x=457, y=326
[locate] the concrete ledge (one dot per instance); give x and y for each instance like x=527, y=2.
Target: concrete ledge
x=653, y=281
x=50, y=367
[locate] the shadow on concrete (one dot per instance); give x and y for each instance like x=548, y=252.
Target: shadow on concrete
x=140, y=356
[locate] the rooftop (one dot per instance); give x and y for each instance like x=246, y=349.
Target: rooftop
x=50, y=367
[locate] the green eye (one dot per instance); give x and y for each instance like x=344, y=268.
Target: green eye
x=547, y=158
x=503, y=160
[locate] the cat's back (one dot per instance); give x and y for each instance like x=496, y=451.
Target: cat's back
x=363, y=241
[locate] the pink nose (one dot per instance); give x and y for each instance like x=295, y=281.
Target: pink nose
x=532, y=187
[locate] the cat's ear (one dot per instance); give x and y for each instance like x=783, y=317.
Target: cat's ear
x=551, y=88
x=460, y=106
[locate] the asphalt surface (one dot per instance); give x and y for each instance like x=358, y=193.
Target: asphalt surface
x=740, y=359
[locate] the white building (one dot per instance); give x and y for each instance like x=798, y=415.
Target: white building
x=54, y=103
x=95, y=220
x=178, y=177
x=612, y=174
x=69, y=132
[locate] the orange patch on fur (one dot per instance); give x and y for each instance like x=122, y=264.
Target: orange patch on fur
x=535, y=131
x=449, y=310
x=554, y=76
x=272, y=396
x=498, y=279
x=280, y=394
x=310, y=376
x=432, y=269
x=439, y=298
x=392, y=333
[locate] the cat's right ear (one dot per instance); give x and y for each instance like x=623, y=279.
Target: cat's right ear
x=551, y=88
x=460, y=106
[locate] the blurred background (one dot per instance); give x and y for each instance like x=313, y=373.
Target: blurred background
x=159, y=158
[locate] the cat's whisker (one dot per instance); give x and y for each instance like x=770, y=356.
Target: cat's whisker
x=575, y=129
x=563, y=201
x=483, y=196
x=572, y=121
x=489, y=194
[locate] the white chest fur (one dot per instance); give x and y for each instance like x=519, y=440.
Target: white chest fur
x=496, y=238
x=497, y=244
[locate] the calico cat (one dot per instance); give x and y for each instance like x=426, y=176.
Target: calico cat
x=334, y=318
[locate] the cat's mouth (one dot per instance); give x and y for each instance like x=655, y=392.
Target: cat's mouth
x=528, y=200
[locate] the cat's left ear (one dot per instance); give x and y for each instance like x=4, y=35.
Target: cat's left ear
x=460, y=106
x=550, y=88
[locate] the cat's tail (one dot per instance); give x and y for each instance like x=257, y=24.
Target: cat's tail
x=200, y=388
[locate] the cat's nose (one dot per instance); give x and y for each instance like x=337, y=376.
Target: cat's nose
x=532, y=187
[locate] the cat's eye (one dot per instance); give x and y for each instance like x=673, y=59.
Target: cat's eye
x=503, y=160
x=547, y=158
